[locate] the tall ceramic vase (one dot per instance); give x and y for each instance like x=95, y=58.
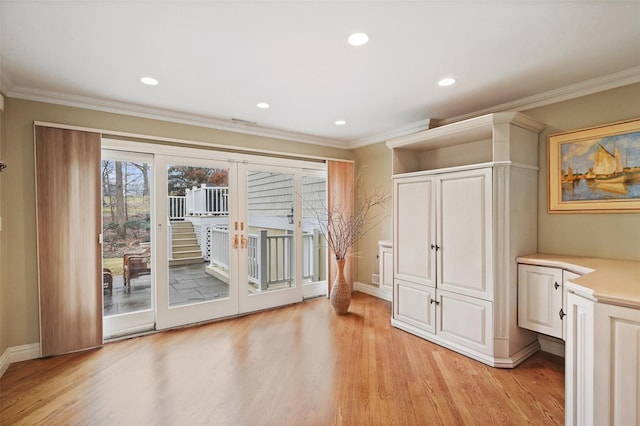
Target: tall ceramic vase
x=340, y=291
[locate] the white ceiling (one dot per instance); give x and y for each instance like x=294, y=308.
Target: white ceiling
x=216, y=59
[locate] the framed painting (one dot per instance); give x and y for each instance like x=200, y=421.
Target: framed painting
x=595, y=170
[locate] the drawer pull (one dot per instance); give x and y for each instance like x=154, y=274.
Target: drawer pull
x=556, y=285
x=562, y=314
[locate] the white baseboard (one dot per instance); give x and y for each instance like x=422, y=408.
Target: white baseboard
x=17, y=354
x=373, y=290
x=551, y=345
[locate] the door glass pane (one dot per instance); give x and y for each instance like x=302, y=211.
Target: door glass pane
x=198, y=246
x=270, y=236
x=126, y=248
x=314, y=209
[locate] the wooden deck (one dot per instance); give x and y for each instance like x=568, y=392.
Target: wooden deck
x=300, y=364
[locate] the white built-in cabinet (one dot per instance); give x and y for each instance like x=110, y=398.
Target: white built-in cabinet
x=542, y=299
x=602, y=371
x=464, y=207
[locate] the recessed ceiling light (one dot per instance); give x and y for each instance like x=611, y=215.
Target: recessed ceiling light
x=448, y=81
x=358, y=39
x=340, y=122
x=262, y=105
x=149, y=81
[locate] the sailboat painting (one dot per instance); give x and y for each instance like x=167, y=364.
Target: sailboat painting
x=596, y=169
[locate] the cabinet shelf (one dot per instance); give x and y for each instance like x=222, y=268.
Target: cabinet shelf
x=505, y=136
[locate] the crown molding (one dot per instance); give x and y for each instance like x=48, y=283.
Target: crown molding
x=104, y=105
x=588, y=87
x=411, y=128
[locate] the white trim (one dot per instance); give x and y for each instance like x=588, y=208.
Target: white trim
x=204, y=145
x=372, y=290
x=508, y=362
x=213, y=155
x=599, y=84
x=551, y=345
x=409, y=129
x=315, y=289
x=18, y=354
x=452, y=169
x=97, y=104
x=584, y=88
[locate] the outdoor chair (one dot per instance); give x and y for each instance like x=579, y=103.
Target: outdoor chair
x=136, y=264
x=107, y=280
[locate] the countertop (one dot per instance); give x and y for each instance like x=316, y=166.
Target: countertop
x=608, y=280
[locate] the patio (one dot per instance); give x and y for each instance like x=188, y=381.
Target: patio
x=187, y=284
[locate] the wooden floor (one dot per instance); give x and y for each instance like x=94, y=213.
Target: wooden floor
x=299, y=365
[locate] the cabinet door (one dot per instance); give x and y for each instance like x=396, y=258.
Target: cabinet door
x=414, y=304
x=414, y=230
x=540, y=299
x=386, y=267
x=579, y=362
x=617, y=377
x=465, y=320
x=465, y=233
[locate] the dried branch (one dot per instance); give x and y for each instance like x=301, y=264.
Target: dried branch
x=342, y=230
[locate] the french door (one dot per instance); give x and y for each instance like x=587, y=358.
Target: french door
x=226, y=233
x=231, y=230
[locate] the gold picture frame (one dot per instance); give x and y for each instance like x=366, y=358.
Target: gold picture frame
x=595, y=170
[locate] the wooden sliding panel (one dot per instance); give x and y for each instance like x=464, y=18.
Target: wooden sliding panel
x=69, y=253
x=340, y=194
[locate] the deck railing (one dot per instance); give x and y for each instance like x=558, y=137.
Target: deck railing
x=177, y=207
x=270, y=259
x=202, y=201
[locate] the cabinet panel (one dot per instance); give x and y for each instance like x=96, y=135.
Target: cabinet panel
x=618, y=357
x=579, y=361
x=540, y=299
x=464, y=233
x=414, y=230
x=412, y=304
x=466, y=320
x=386, y=267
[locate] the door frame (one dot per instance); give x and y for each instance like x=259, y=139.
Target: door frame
x=144, y=320
x=160, y=226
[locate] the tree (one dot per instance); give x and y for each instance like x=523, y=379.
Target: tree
x=181, y=178
x=107, y=190
x=121, y=217
x=144, y=170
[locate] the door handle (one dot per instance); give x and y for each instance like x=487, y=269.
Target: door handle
x=236, y=242
x=243, y=242
x=556, y=285
x=435, y=247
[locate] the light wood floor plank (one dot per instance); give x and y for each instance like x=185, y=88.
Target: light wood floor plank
x=299, y=365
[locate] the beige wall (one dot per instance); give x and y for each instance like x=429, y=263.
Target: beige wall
x=604, y=235
x=373, y=168
x=18, y=287
x=612, y=235
x=601, y=235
